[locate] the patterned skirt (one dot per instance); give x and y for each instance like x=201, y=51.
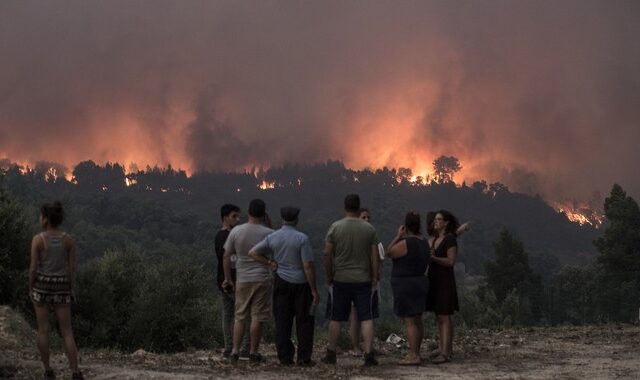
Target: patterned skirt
x=52, y=290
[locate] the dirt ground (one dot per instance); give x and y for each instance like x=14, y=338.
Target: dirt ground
x=593, y=352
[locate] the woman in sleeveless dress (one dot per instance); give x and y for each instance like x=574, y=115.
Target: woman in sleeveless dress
x=409, y=251
x=51, y=276
x=442, y=297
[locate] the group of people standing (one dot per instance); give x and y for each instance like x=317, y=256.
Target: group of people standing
x=262, y=272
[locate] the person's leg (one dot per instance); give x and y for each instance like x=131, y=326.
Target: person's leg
x=334, y=333
x=238, y=333
x=256, y=335
x=63, y=315
x=304, y=322
x=338, y=311
x=444, y=339
x=283, y=313
x=413, y=336
x=367, y=335
x=420, y=327
x=354, y=332
x=227, y=321
x=363, y=297
x=242, y=314
x=440, y=325
x=450, y=337
x=42, y=317
x=244, y=347
x=261, y=310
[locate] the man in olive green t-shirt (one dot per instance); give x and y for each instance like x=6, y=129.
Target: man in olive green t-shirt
x=351, y=265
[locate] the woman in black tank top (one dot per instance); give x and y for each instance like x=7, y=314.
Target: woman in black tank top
x=51, y=276
x=410, y=254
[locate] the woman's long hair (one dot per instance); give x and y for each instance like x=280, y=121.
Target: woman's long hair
x=452, y=225
x=431, y=217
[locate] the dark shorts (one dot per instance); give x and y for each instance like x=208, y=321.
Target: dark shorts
x=344, y=294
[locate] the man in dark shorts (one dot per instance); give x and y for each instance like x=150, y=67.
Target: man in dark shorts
x=230, y=215
x=253, y=288
x=351, y=265
x=294, y=288
x=354, y=324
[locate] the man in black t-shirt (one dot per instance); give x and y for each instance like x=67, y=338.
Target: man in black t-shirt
x=230, y=215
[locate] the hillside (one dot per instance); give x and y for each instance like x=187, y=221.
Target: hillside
x=166, y=204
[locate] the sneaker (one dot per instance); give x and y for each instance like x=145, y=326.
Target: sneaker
x=329, y=357
x=256, y=358
x=226, y=354
x=77, y=376
x=370, y=359
x=233, y=358
x=306, y=363
x=244, y=355
x=49, y=375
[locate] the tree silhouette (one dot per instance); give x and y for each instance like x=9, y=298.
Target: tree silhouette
x=445, y=167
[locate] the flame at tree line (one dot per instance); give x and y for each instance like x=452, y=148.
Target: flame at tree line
x=444, y=170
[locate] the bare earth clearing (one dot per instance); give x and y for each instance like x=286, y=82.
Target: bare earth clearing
x=593, y=352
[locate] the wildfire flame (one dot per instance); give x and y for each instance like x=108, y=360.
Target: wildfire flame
x=581, y=215
x=264, y=185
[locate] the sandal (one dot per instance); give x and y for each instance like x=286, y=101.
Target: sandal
x=440, y=359
x=407, y=362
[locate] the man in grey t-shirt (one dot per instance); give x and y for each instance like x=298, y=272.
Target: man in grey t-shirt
x=253, y=288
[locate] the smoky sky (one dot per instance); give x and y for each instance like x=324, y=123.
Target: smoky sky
x=541, y=95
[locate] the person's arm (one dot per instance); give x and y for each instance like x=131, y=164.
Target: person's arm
x=33, y=263
x=257, y=253
x=399, y=236
x=226, y=265
x=375, y=255
x=310, y=274
x=450, y=260
x=229, y=250
x=463, y=228
x=328, y=262
x=262, y=259
x=398, y=250
x=309, y=268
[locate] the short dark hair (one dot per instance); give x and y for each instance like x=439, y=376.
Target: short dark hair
x=352, y=203
x=431, y=217
x=363, y=209
x=257, y=208
x=227, y=209
x=53, y=212
x=412, y=222
x=452, y=226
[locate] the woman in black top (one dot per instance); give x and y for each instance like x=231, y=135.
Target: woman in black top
x=410, y=253
x=442, y=297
